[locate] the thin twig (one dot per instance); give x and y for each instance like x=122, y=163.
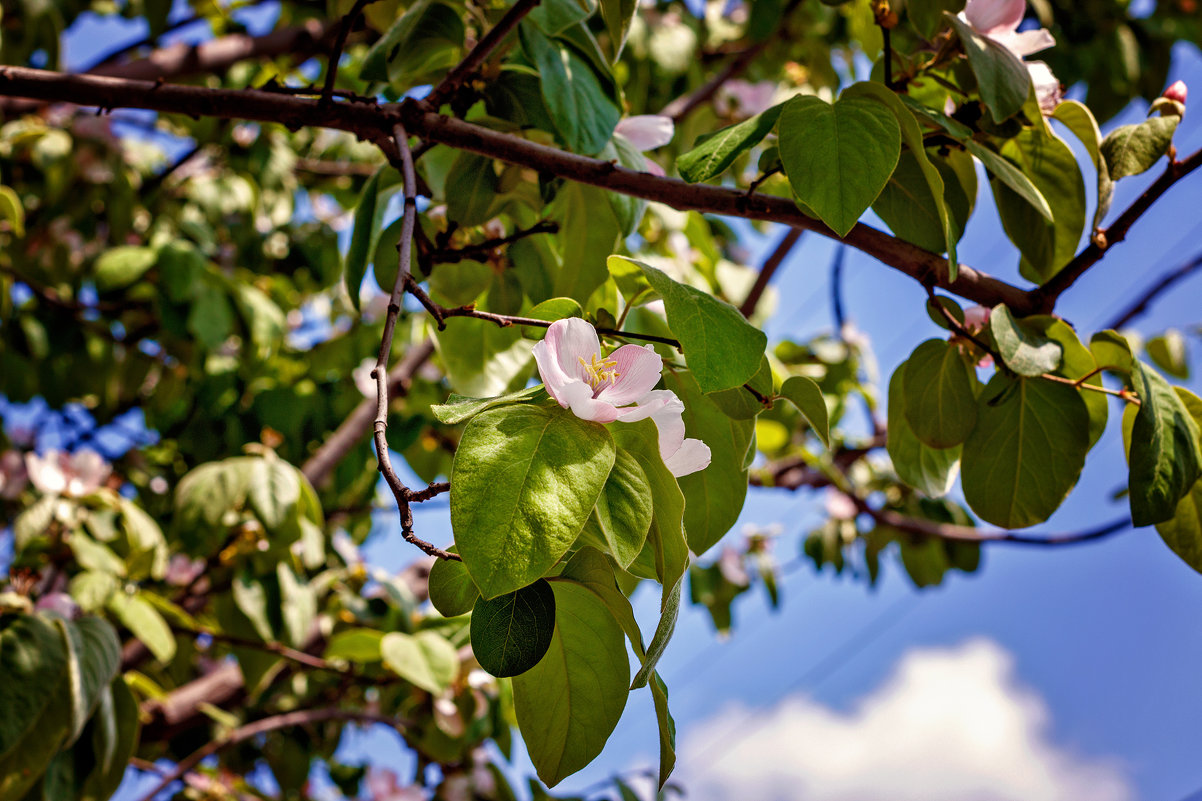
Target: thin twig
x=956, y=533
x=483, y=250
x=404, y=496
x=483, y=49
x=348, y=22
x=837, y=288
x=300, y=717
x=1140, y=304
x=771, y=265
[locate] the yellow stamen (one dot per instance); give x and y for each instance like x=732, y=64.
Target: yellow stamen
x=599, y=371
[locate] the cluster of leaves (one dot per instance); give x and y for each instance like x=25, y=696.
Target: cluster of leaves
x=210, y=294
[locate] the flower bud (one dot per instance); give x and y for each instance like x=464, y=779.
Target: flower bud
x=1177, y=92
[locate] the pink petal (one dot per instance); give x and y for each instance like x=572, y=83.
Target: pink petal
x=646, y=131
x=1026, y=42
x=90, y=471
x=578, y=396
x=995, y=17
x=1047, y=87
x=638, y=371
x=548, y=368
x=653, y=167
x=1177, y=91
x=47, y=472
x=693, y=455
x=570, y=341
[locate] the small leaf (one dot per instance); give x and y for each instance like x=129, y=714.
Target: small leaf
x=940, y=403
x=806, y=395
x=1012, y=177
x=12, y=210
x=721, y=348
x=669, y=612
x=553, y=16
x=585, y=671
x=471, y=190
x=452, y=590
x=1167, y=352
x=1134, y=149
x=667, y=729
x=1002, y=77
x=1024, y=351
x=524, y=481
x=931, y=471
x=425, y=659
x=1112, y=352
x=369, y=215
x=712, y=153
x=1165, y=452
x=121, y=266
x=511, y=633
x=838, y=157
x=666, y=555
x=144, y=622
x=1026, y=451
x=618, y=16
x=360, y=646
x=623, y=511
x=1183, y=532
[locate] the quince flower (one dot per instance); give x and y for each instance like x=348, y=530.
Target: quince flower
x=744, y=99
x=999, y=20
x=616, y=388
x=13, y=476
x=647, y=132
x=58, y=473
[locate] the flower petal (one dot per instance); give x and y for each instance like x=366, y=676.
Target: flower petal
x=1047, y=87
x=1025, y=43
x=578, y=396
x=691, y=456
x=646, y=131
x=638, y=369
x=570, y=341
x=995, y=17
x=548, y=368
x=47, y=472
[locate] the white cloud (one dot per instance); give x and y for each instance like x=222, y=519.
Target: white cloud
x=948, y=725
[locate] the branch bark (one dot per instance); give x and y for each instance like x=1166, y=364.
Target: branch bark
x=479, y=54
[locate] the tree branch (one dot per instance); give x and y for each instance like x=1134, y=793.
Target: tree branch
x=300, y=717
x=373, y=123
x=1141, y=303
x=771, y=265
x=348, y=22
x=1044, y=298
x=481, y=251
x=483, y=49
x=955, y=533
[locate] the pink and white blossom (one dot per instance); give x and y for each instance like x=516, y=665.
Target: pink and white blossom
x=744, y=99
x=60, y=603
x=383, y=785
x=182, y=570
x=77, y=474
x=1047, y=87
x=13, y=475
x=999, y=20
x=647, y=132
x=618, y=387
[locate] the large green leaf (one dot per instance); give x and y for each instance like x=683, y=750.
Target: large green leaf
x=1050, y=164
x=511, y=633
x=838, y=157
x=931, y=471
x=622, y=516
x=1026, y=452
x=806, y=395
x=1077, y=363
x=471, y=190
x=666, y=554
x=524, y=481
x=145, y=622
x=1002, y=77
x=1183, y=531
x=1077, y=117
x=298, y=604
x=568, y=704
x=274, y=493
x=940, y=402
x=588, y=233
x=425, y=39
x=618, y=16
x=452, y=590
x=426, y=659
x=576, y=100
x=110, y=743
x=1023, y=350
x=369, y=215
x=361, y=645
x=1165, y=452
x=482, y=359
x=553, y=16
x=721, y=348
x=590, y=568
x=1133, y=149
x=94, y=655
x=1012, y=177
x=33, y=660
x=713, y=496
x=713, y=152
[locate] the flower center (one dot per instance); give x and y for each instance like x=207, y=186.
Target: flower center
x=599, y=371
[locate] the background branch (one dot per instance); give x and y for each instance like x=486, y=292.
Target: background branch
x=771, y=265
x=479, y=54
x=1141, y=303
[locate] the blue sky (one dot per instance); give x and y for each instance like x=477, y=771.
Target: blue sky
x=1104, y=637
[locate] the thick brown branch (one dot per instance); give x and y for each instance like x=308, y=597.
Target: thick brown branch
x=479, y=54
x=1044, y=298
x=1141, y=303
x=771, y=265
x=300, y=717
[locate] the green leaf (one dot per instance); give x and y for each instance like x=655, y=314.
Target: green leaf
x=1023, y=350
x=1026, y=452
x=1077, y=117
x=113, y=740
x=927, y=15
x=588, y=232
x=931, y=471
x=460, y=408
x=668, y=615
x=425, y=39
x=722, y=349
x=1050, y=164
x=838, y=157
x=144, y=622
x=1112, y=352
x=1076, y=363
x=575, y=98
x=93, y=658
x=251, y=598
x=806, y=395
x=713, y=152
x=713, y=496
x=482, y=359
x=1002, y=77
x=425, y=659
x=667, y=729
x=452, y=590
x=524, y=481
x=1167, y=352
x=1133, y=149
x=511, y=633
x=551, y=310
x=741, y=404
x=1183, y=531
x=298, y=604
x=360, y=646
x=471, y=189
x=666, y=555
x=12, y=210
x=622, y=516
x=1165, y=452
x=121, y=266
x=369, y=216
x=568, y=704
x=33, y=661
x=1012, y=177
x=553, y=16
x=274, y=492
x=911, y=134
x=618, y=16
x=592, y=569
x=940, y=401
